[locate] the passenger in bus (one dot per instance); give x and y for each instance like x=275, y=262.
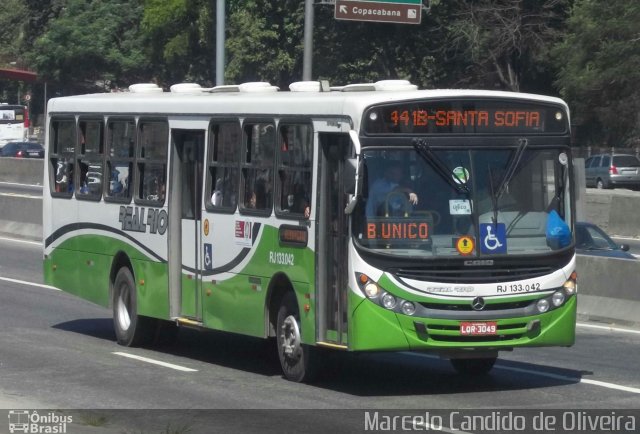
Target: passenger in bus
x=381, y=187
x=155, y=188
x=298, y=202
x=64, y=176
x=257, y=198
x=216, y=196
x=84, y=187
x=70, y=187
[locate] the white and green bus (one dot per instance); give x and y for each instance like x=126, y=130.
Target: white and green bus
x=367, y=217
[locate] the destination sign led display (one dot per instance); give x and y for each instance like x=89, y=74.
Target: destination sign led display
x=465, y=117
x=388, y=229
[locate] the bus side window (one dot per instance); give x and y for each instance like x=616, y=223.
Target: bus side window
x=152, y=162
x=257, y=168
x=62, y=141
x=120, y=146
x=89, y=161
x=294, y=170
x=222, y=162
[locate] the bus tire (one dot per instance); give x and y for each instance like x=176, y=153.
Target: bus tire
x=131, y=329
x=473, y=367
x=296, y=359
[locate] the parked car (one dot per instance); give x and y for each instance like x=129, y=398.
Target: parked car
x=591, y=240
x=22, y=150
x=612, y=170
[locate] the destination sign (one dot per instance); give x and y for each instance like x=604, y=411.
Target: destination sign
x=465, y=117
x=397, y=230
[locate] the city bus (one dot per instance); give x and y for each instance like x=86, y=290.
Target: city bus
x=14, y=123
x=366, y=217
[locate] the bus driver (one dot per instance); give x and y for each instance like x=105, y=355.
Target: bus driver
x=381, y=187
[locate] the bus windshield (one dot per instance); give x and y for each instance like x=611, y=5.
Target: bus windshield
x=428, y=202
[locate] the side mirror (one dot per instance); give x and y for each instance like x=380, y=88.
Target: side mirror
x=624, y=247
x=350, y=168
x=351, y=206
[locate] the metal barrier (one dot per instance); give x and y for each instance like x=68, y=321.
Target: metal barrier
x=22, y=170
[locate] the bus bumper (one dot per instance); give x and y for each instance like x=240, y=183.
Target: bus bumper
x=374, y=328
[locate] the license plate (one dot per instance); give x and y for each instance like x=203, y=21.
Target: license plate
x=478, y=328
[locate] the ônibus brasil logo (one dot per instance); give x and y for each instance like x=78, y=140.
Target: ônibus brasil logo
x=31, y=422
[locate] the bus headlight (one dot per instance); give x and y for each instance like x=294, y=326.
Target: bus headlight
x=543, y=305
x=371, y=290
x=408, y=308
x=388, y=301
x=558, y=298
x=571, y=285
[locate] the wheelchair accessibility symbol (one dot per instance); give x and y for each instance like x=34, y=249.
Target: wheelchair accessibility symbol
x=493, y=238
x=208, y=256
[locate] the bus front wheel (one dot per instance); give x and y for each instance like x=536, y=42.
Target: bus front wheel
x=296, y=359
x=473, y=367
x=131, y=329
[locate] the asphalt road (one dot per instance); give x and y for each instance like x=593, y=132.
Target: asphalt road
x=20, y=189
x=59, y=352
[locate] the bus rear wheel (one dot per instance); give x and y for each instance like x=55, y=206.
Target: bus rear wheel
x=296, y=359
x=131, y=329
x=473, y=367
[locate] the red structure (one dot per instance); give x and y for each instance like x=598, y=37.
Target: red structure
x=18, y=75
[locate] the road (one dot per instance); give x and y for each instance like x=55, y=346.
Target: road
x=20, y=189
x=58, y=351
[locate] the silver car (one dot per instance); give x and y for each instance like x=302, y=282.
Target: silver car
x=613, y=170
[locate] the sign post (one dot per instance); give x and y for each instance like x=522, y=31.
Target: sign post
x=387, y=11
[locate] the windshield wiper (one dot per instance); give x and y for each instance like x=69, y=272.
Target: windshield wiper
x=423, y=149
x=494, y=197
x=511, y=166
x=557, y=200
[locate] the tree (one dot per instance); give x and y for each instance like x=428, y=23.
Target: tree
x=180, y=35
x=93, y=44
x=265, y=41
x=506, y=42
x=599, y=63
x=353, y=52
x=13, y=16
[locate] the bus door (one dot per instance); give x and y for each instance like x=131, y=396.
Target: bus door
x=185, y=207
x=331, y=254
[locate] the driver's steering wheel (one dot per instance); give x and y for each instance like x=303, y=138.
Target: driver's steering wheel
x=395, y=201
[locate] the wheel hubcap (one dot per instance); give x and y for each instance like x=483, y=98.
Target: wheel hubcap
x=291, y=338
x=122, y=309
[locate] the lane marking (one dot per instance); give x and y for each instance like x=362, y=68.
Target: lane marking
x=549, y=375
x=16, y=240
x=34, y=186
x=25, y=196
x=571, y=379
x=608, y=328
x=155, y=362
x=23, y=282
